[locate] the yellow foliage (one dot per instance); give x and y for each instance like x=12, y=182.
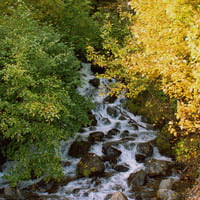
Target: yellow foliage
x=163, y=50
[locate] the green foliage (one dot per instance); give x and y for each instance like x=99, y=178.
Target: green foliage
x=74, y=18
x=154, y=105
x=187, y=150
x=79, y=26
x=39, y=103
x=115, y=15
x=164, y=142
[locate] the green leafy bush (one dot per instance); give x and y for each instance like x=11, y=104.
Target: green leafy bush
x=39, y=103
x=79, y=26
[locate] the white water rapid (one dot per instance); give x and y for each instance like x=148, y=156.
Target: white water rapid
x=100, y=188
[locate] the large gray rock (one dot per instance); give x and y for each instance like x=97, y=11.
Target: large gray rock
x=79, y=148
x=166, y=183
x=157, y=168
x=118, y=196
x=143, y=150
x=137, y=179
x=167, y=194
x=90, y=165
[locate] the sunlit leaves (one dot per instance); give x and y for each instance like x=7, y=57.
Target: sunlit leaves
x=162, y=51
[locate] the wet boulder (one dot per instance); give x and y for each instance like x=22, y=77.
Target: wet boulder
x=90, y=165
x=111, y=153
x=157, y=168
x=113, y=112
x=137, y=179
x=143, y=150
x=118, y=196
x=96, y=136
x=110, y=99
x=79, y=148
x=95, y=82
x=121, y=168
x=112, y=132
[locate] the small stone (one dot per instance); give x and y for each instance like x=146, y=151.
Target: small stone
x=118, y=196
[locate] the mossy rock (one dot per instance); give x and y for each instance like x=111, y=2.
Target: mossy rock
x=90, y=165
x=164, y=146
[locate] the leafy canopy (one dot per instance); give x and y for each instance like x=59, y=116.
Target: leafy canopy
x=39, y=103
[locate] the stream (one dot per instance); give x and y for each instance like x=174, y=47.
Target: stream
x=120, y=130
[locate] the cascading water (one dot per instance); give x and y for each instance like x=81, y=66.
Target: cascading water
x=131, y=131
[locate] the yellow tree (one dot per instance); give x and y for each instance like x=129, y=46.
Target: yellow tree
x=163, y=50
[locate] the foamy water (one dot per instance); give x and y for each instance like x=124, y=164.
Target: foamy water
x=99, y=187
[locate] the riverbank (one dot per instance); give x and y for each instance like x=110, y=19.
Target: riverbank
x=158, y=110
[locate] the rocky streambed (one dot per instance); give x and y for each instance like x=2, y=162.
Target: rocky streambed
x=115, y=158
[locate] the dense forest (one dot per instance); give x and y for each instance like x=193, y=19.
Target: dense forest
x=150, y=47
